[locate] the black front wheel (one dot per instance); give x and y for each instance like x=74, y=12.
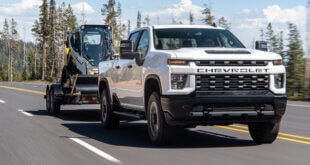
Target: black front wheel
x=160, y=133
x=264, y=132
x=108, y=119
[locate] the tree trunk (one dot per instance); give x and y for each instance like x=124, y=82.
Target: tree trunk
x=44, y=61
x=9, y=60
x=35, y=62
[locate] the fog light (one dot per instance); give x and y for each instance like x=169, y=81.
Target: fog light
x=279, y=81
x=178, y=81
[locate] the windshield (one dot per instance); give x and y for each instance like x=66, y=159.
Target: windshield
x=167, y=39
x=95, y=46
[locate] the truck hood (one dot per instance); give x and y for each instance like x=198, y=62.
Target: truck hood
x=221, y=54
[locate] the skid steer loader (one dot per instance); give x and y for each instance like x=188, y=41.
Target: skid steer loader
x=85, y=48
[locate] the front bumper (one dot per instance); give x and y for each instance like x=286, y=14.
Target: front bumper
x=223, y=108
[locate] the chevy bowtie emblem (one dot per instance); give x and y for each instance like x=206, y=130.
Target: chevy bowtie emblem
x=260, y=79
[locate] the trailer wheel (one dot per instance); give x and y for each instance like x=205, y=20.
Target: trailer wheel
x=264, y=132
x=108, y=119
x=54, y=104
x=48, y=100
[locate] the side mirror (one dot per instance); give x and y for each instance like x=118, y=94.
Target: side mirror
x=127, y=49
x=126, y=46
x=261, y=45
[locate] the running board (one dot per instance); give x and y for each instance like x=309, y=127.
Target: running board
x=128, y=114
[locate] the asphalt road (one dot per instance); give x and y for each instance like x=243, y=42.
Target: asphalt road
x=29, y=136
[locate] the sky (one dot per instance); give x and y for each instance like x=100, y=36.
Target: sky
x=246, y=17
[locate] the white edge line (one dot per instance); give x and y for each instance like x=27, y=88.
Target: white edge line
x=25, y=113
x=299, y=105
x=2, y=101
x=96, y=150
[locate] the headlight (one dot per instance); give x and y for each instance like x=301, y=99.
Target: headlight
x=279, y=81
x=178, y=81
x=277, y=62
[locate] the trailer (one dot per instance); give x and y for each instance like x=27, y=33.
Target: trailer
x=85, y=48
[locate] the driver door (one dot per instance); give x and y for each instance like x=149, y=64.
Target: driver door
x=132, y=76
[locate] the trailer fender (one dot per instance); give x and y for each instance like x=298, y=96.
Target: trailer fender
x=57, y=89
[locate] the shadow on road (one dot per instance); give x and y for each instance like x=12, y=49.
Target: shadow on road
x=134, y=134
x=72, y=115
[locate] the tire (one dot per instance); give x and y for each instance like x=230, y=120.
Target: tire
x=160, y=133
x=264, y=133
x=54, y=104
x=48, y=101
x=108, y=119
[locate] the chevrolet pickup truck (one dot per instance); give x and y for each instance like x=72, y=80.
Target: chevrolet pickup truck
x=187, y=75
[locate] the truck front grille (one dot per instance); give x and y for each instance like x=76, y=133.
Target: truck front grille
x=231, y=82
x=231, y=63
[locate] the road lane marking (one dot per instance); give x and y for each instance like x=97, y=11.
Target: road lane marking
x=297, y=105
x=2, y=101
x=25, y=90
x=96, y=150
x=293, y=140
x=279, y=137
x=235, y=129
x=25, y=113
x=280, y=133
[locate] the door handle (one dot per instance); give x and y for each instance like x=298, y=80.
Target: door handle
x=129, y=66
x=117, y=67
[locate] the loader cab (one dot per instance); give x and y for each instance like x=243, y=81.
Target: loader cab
x=93, y=43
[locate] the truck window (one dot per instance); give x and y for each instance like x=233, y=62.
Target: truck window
x=133, y=37
x=143, y=45
x=167, y=39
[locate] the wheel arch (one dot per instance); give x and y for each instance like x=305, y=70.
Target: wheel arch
x=103, y=83
x=152, y=83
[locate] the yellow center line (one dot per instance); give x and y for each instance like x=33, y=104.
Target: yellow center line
x=24, y=90
x=279, y=137
x=280, y=133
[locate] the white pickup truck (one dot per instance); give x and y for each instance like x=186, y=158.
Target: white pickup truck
x=187, y=75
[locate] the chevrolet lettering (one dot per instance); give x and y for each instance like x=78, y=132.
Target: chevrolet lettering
x=233, y=70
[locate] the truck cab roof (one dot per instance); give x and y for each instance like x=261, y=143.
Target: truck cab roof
x=177, y=26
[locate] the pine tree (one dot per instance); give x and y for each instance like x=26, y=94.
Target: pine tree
x=7, y=36
x=271, y=39
x=280, y=48
x=147, y=20
x=52, y=57
x=296, y=64
x=61, y=30
x=70, y=18
x=191, y=18
x=2, y=74
x=223, y=22
x=139, y=19
x=208, y=17
x=262, y=34
x=25, y=75
x=14, y=46
x=111, y=15
x=44, y=30
x=36, y=32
